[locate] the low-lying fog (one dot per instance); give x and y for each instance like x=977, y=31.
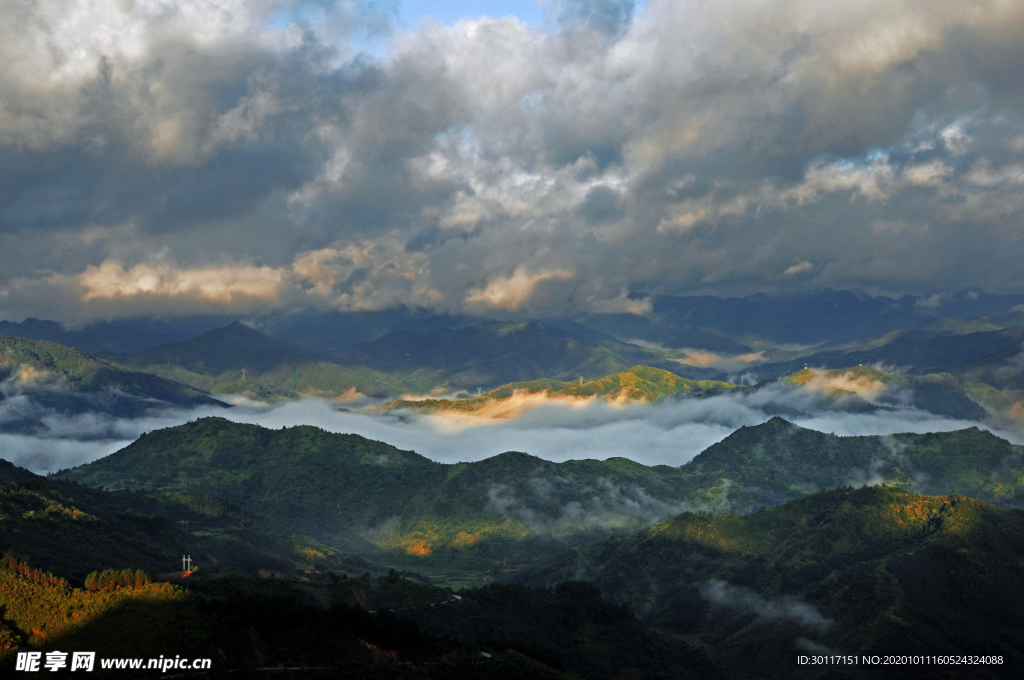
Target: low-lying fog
x=670, y=432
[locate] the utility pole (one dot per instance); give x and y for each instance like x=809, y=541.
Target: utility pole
x=184, y=525
x=184, y=561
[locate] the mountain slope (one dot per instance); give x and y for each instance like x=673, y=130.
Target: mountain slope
x=51, y=331
x=874, y=570
x=45, y=363
x=639, y=383
x=40, y=378
x=237, y=359
x=767, y=464
x=72, y=530
x=350, y=490
x=862, y=388
x=922, y=354
x=492, y=354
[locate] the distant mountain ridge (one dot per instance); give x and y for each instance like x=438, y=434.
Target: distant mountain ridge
x=492, y=354
x=242, y=360
x=638, y=383
x=238, y=359
x=65, y=380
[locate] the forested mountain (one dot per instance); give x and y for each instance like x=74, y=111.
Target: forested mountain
x=242, y=360
x=72, y=529
x=874, y=570
x=863, y=388
x=512, y=508
x=985, y=357
x=639, y=383
x=767, y=464
x=810, y=318
x=353, y=491
x=74, y=577
x=48, y=377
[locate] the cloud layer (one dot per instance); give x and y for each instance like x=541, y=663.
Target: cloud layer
x=177, y=156
x=670, y=432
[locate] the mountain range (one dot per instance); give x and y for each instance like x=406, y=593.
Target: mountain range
x=324, y=551
x=403, y=508
x=865, y=570
x=968, y=344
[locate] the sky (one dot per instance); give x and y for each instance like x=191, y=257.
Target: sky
x=569, y=156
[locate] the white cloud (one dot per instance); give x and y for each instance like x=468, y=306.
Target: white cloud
x=799, y=268
x=488, y=166
x=513, y=292
x=670, y=432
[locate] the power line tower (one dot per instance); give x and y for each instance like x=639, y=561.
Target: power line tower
x=183, y=523
x=188, y=561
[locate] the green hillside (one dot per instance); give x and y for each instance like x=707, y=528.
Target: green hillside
x=861, y=388
x=348, y=490
x=875, y=570
x=42, y=363
x=58, y=378
x=950, y=374
x=70, y=529
x=471, y=522
x=767, y=464
x=639, y=383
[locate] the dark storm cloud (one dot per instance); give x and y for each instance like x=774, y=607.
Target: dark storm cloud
x=245, y=156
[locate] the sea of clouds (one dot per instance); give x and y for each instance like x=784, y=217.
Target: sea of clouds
x=669, y=432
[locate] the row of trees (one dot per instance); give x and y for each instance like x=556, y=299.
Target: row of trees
x=9, y=561
x=111, y=579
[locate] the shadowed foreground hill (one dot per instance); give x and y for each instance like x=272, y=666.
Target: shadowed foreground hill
x=70, y=529
x=321, y=629
x=874, y=570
